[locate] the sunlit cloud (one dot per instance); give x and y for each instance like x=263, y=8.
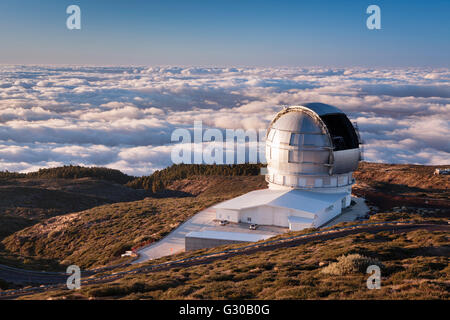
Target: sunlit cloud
x=123, y=117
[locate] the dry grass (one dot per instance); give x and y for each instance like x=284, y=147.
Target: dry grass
x=96, y=237
x=415, y=266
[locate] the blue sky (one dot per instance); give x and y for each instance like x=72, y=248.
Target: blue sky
x=225, y=33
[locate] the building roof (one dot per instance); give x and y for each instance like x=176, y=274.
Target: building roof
x=295, y=120
x=314, y=141
x=301, y=220
x=296, y=199
x=322, y=108
x=233, y=236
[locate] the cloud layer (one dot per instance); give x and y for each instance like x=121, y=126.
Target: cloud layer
x=123, y=117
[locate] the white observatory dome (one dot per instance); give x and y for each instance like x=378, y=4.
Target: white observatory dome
x=313, y=146
x=311, y=152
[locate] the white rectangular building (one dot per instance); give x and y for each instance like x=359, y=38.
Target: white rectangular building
x=293, y=208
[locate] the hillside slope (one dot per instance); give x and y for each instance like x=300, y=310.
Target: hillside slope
x=90, y=231
x=27, y=198
x=98, y=236
x=414, y=265
x=390, y=185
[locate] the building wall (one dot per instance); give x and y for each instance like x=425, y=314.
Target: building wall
x=280, y=216
x=298, y=226
x=263, y=215
x=319, y=183
x=348, y=200
x=329, y=213
x=226, y=214
x=272, y=216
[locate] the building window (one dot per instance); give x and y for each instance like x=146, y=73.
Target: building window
x=295, y=139
x=333, y=182
x=345, y=179
x=294, y=156
x=314, y=140
x=310, y=182
x=249, y=219
x=318, y=183
x=302, y=182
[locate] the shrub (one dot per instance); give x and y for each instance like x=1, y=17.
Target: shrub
x=351, y=263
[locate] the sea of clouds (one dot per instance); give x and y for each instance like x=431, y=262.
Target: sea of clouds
x=123, y=117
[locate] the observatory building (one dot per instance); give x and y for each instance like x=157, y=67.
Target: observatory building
x=311, y=152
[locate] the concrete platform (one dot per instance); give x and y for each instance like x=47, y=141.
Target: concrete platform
x=204, y=220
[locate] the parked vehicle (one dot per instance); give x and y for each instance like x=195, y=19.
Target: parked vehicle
x=223, y=222
x=253, y=227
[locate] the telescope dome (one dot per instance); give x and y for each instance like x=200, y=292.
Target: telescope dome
x=313, y=146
